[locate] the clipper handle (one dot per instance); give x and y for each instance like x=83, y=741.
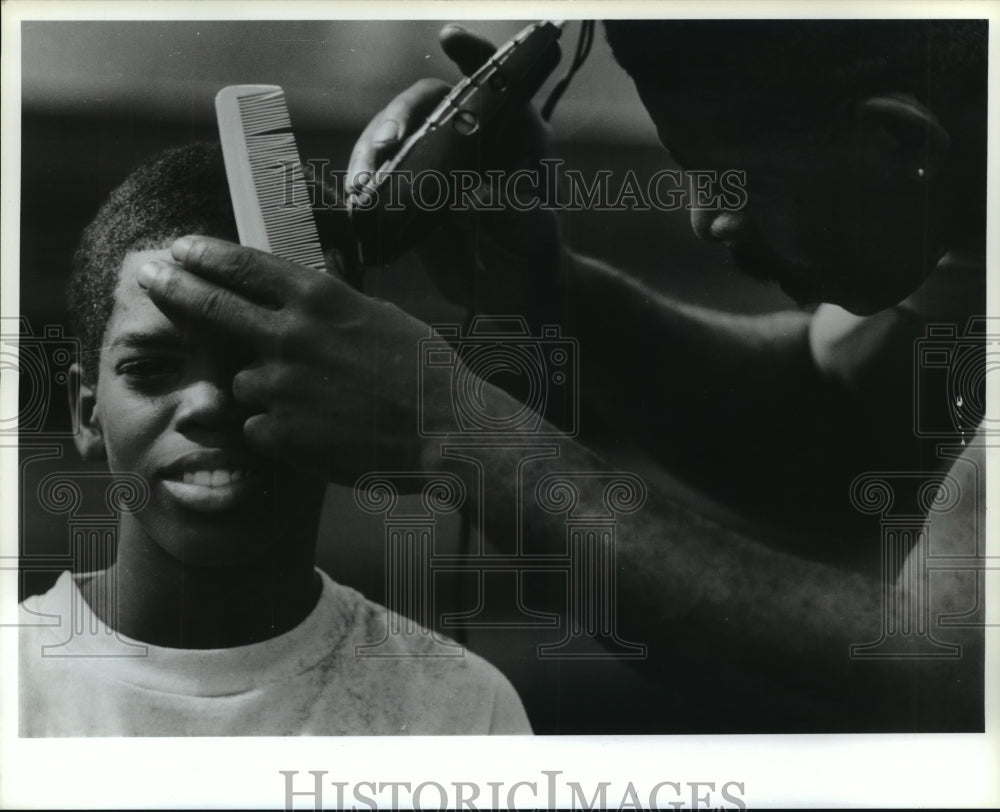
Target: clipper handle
x=452, y=138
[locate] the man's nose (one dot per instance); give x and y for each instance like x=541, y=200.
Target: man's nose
x=720, y=226
x=205, y=404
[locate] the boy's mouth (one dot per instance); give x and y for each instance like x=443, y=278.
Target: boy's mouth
x=216, y=495
x=210, y=480
x=215, y=478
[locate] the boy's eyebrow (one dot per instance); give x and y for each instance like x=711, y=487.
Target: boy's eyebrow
x=139, y=339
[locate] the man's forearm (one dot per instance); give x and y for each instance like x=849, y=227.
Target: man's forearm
x=772, y=621
x=731, y=403
x=633, y=334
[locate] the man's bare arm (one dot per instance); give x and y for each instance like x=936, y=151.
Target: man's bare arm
x=765, y=628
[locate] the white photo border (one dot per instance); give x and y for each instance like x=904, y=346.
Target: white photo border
x=816, y=770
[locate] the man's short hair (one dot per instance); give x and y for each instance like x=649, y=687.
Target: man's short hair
x=179, y=191
x=798, y=65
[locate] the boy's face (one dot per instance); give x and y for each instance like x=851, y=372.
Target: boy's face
x=164, y=408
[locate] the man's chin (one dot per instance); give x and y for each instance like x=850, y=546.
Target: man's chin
x=762, y=264
x=803, y=295
x=809, y=286
x=851, y=302
x=864, y=308
x=809, y=295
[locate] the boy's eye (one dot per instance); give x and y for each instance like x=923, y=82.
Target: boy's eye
x=149, y=369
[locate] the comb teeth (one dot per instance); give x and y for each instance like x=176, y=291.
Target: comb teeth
x=264, y=112
x=265, y=174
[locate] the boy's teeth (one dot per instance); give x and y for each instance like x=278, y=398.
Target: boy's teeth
x=212, y=479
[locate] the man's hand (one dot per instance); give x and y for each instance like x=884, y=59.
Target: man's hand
x=494, y=262
x=333, y=386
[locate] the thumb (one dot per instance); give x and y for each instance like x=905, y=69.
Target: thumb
x=465, y=48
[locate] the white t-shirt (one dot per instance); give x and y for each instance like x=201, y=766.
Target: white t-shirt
x=308, y=681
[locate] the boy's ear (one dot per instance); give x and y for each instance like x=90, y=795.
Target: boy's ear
x=901, y=135
x=87, y=434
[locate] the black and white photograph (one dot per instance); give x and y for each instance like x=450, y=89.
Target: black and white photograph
x=420, y=406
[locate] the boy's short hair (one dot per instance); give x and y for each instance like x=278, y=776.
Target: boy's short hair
x=179, y=191
x=797, y=64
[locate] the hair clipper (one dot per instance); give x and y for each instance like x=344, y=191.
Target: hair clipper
x=451, y=138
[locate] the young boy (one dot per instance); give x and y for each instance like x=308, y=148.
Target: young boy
x=214, y=585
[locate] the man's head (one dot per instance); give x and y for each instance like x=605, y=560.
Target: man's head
x=156, y=394
x=863, y=142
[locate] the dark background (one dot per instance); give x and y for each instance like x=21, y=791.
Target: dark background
x=98, y=98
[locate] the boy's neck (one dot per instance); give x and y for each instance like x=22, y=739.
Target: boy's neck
x=163, y=602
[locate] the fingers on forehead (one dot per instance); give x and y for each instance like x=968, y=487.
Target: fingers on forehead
x=245, y=270
x=176, y=290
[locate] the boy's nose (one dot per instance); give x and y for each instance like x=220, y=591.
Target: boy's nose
x=205, y=404
x=720, y=226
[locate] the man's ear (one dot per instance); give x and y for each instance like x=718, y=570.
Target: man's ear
x=87, y=434
x=902, y=137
